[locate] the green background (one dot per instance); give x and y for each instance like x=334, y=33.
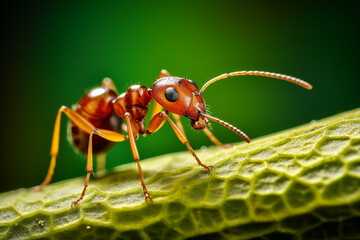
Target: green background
x=53, y=52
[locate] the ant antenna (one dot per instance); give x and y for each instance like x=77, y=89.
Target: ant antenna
x=229, y=126
x=258, y=73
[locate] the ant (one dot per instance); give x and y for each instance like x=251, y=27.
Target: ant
x=96, y=120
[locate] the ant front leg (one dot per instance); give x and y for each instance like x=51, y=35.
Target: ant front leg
x=163, y=73
x=157, y=107
x=215, y=140
x=178, y=123
x=81, y=122
x=156, y=121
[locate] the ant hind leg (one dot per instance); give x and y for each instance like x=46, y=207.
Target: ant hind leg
x=80, y=122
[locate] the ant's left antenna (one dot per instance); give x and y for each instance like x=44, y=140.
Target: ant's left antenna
x=228, y=125
x=258, y=73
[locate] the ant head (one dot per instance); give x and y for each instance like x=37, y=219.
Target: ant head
x=180, y=96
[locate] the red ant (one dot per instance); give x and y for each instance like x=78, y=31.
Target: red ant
x=101, y=110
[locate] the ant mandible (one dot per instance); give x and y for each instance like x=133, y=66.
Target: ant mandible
x=101, y=110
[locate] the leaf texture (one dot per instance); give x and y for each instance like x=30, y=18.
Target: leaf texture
x=302, y=183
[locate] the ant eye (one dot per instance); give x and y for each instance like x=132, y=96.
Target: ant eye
x=171, y=94
x=193, y=83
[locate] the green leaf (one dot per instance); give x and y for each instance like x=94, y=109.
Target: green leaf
x=300, y=183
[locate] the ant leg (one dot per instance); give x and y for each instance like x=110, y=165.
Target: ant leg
x=108, y=135
x=155, y=124
x=215, y=140
x=124, y=127
x=163, y=73
x=80, y=122
x=89, y=169
x=100, y=162
x=108, y=83
x=157, y=107
x=178, y=123
x=135, y=153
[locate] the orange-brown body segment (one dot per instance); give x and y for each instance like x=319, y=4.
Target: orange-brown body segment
x=96, y=107
x=135, y=101
x=189, y=102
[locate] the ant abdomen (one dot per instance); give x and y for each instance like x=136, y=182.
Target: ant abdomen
x=96, y=107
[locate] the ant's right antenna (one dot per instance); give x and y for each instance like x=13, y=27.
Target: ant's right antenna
x=258, y=73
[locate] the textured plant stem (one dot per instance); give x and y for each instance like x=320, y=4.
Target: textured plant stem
x=300, y=183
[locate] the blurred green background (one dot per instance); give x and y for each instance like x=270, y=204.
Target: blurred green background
x=52, y=52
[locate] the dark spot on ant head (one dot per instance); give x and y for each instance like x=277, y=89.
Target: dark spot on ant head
x=171, y=94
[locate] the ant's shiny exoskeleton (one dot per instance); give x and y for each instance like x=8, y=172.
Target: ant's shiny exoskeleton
x=96, y=120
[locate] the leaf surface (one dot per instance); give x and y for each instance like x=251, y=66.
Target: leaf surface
x=299, y=183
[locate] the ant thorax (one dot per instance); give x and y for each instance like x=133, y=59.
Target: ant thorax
x=135, y=101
